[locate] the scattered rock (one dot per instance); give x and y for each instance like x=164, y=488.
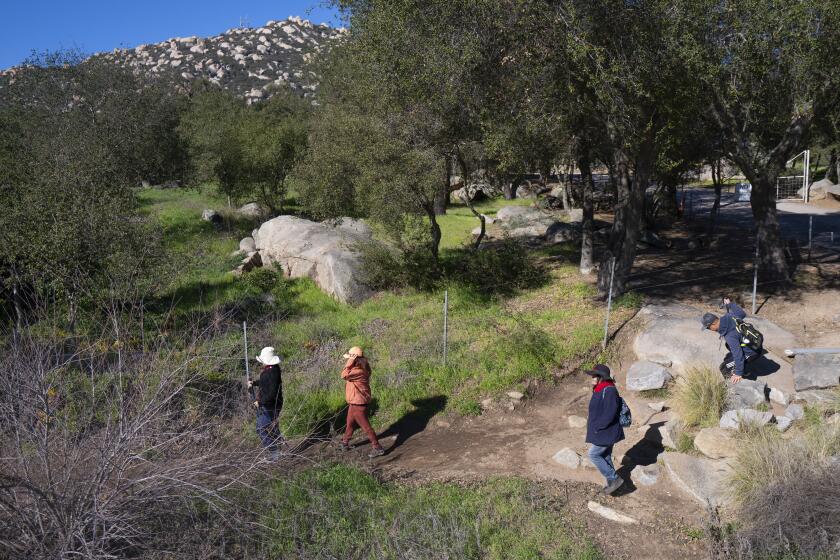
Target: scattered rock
x=645, y=475
x=561, y=232
x=515, y=395
x=783, y=423
x=701, y=478
x=310, y=249
x=716, y=443
x=665, y=434
x=794, y=412
x=747, y=393
x=211, y=216
x=248, y=245
x=576, y=215
x=251, y=210
x=833, y=420
x=486, y=404
x=778, y=396
x=644, y=376
x=657, y=406
x=734, y=418
x=577, y=422
x=567, y=457
x=816, y=371
x=609, y=513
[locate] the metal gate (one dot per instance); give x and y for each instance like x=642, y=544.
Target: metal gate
x=791, y=188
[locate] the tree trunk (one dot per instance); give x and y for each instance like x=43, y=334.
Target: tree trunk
x=772, y=259
x=628, y=219
x=716, y=181
x=477, y=242
x=442, y=195
x=509, y=191
x=833, y=171
x=587, y=226
x=434, y=229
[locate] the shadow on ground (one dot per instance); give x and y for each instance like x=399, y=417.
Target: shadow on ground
x=414, y=422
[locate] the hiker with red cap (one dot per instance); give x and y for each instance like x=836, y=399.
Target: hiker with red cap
x=603, y=426
x=356, y=375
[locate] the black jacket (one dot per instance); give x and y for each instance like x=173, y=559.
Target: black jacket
x=270, y=388
x=602, y=426
x=740, y=352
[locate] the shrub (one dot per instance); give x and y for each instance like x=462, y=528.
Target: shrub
x=786, y=495
x=263, y=279
x=700, y=397
x=501, y=269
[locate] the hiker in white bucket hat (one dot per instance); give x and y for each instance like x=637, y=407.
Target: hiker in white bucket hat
x=269, y=401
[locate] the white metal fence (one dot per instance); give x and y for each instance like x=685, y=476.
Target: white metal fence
x=791, y=187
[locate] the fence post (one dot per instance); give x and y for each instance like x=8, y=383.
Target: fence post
x=609, y=307
x=247, y=368
x=755, y=276
x=445, y=322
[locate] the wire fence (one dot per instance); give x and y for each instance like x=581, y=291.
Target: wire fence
x=790, y=188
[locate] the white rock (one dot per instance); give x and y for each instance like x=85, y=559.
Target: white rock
x=783, y=423
x=734, y=418
x=567, y=457
x=779, y=396
x=657, y=406
x=611, y=514
x=248, y=245
x=309, y=249
x=515, y=395
x=746, y=394
x=577, y=421
x=644, y=376
x=701, y=478
x=645, y=475
x=795, y=412
x=716, y=443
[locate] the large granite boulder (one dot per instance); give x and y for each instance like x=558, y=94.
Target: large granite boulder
x=702, y=479
x=816, y=371
x=316, y=250
x=672, y=334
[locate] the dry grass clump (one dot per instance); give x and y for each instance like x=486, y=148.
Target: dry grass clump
x=699, y=397
x=786, y=492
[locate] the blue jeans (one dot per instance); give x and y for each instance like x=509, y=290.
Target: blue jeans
x=601, y=457
x=267, y=427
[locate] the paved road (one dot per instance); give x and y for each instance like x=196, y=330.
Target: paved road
x=793, y=216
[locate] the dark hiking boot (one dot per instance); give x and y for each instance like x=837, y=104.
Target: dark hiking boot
x=376, y=452
x=614, y=485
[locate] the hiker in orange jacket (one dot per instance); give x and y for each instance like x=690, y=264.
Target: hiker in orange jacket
x=356, y=374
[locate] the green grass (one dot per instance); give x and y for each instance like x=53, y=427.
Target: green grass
x=494, y=343
x=458, y=222
x=340, y=512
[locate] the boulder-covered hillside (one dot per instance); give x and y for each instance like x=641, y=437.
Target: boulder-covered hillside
x=247, y=61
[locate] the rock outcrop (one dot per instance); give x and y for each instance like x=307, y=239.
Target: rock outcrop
x=320, y=251
x=252, y=62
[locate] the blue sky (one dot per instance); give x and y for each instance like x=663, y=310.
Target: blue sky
x=99, y=25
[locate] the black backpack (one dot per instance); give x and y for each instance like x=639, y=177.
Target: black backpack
x=751, y=337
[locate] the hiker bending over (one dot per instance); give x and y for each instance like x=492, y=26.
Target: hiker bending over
x=356, y=374
x=269, y=401
x=739, y=353
x=603, y=428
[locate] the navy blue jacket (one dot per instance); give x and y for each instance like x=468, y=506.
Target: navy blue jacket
x=602, y=426
x=727, y=332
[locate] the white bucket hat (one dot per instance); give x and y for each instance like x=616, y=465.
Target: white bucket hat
x=268, y=357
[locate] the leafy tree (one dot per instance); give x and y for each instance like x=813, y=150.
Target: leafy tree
x=766, y=72
x=248, y=151
x=81, y=135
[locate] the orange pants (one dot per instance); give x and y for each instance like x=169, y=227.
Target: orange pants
x=357, y=415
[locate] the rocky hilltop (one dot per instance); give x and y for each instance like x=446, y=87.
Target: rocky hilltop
x=248, y=61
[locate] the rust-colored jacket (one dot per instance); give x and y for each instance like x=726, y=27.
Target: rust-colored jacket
x=356, y=373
